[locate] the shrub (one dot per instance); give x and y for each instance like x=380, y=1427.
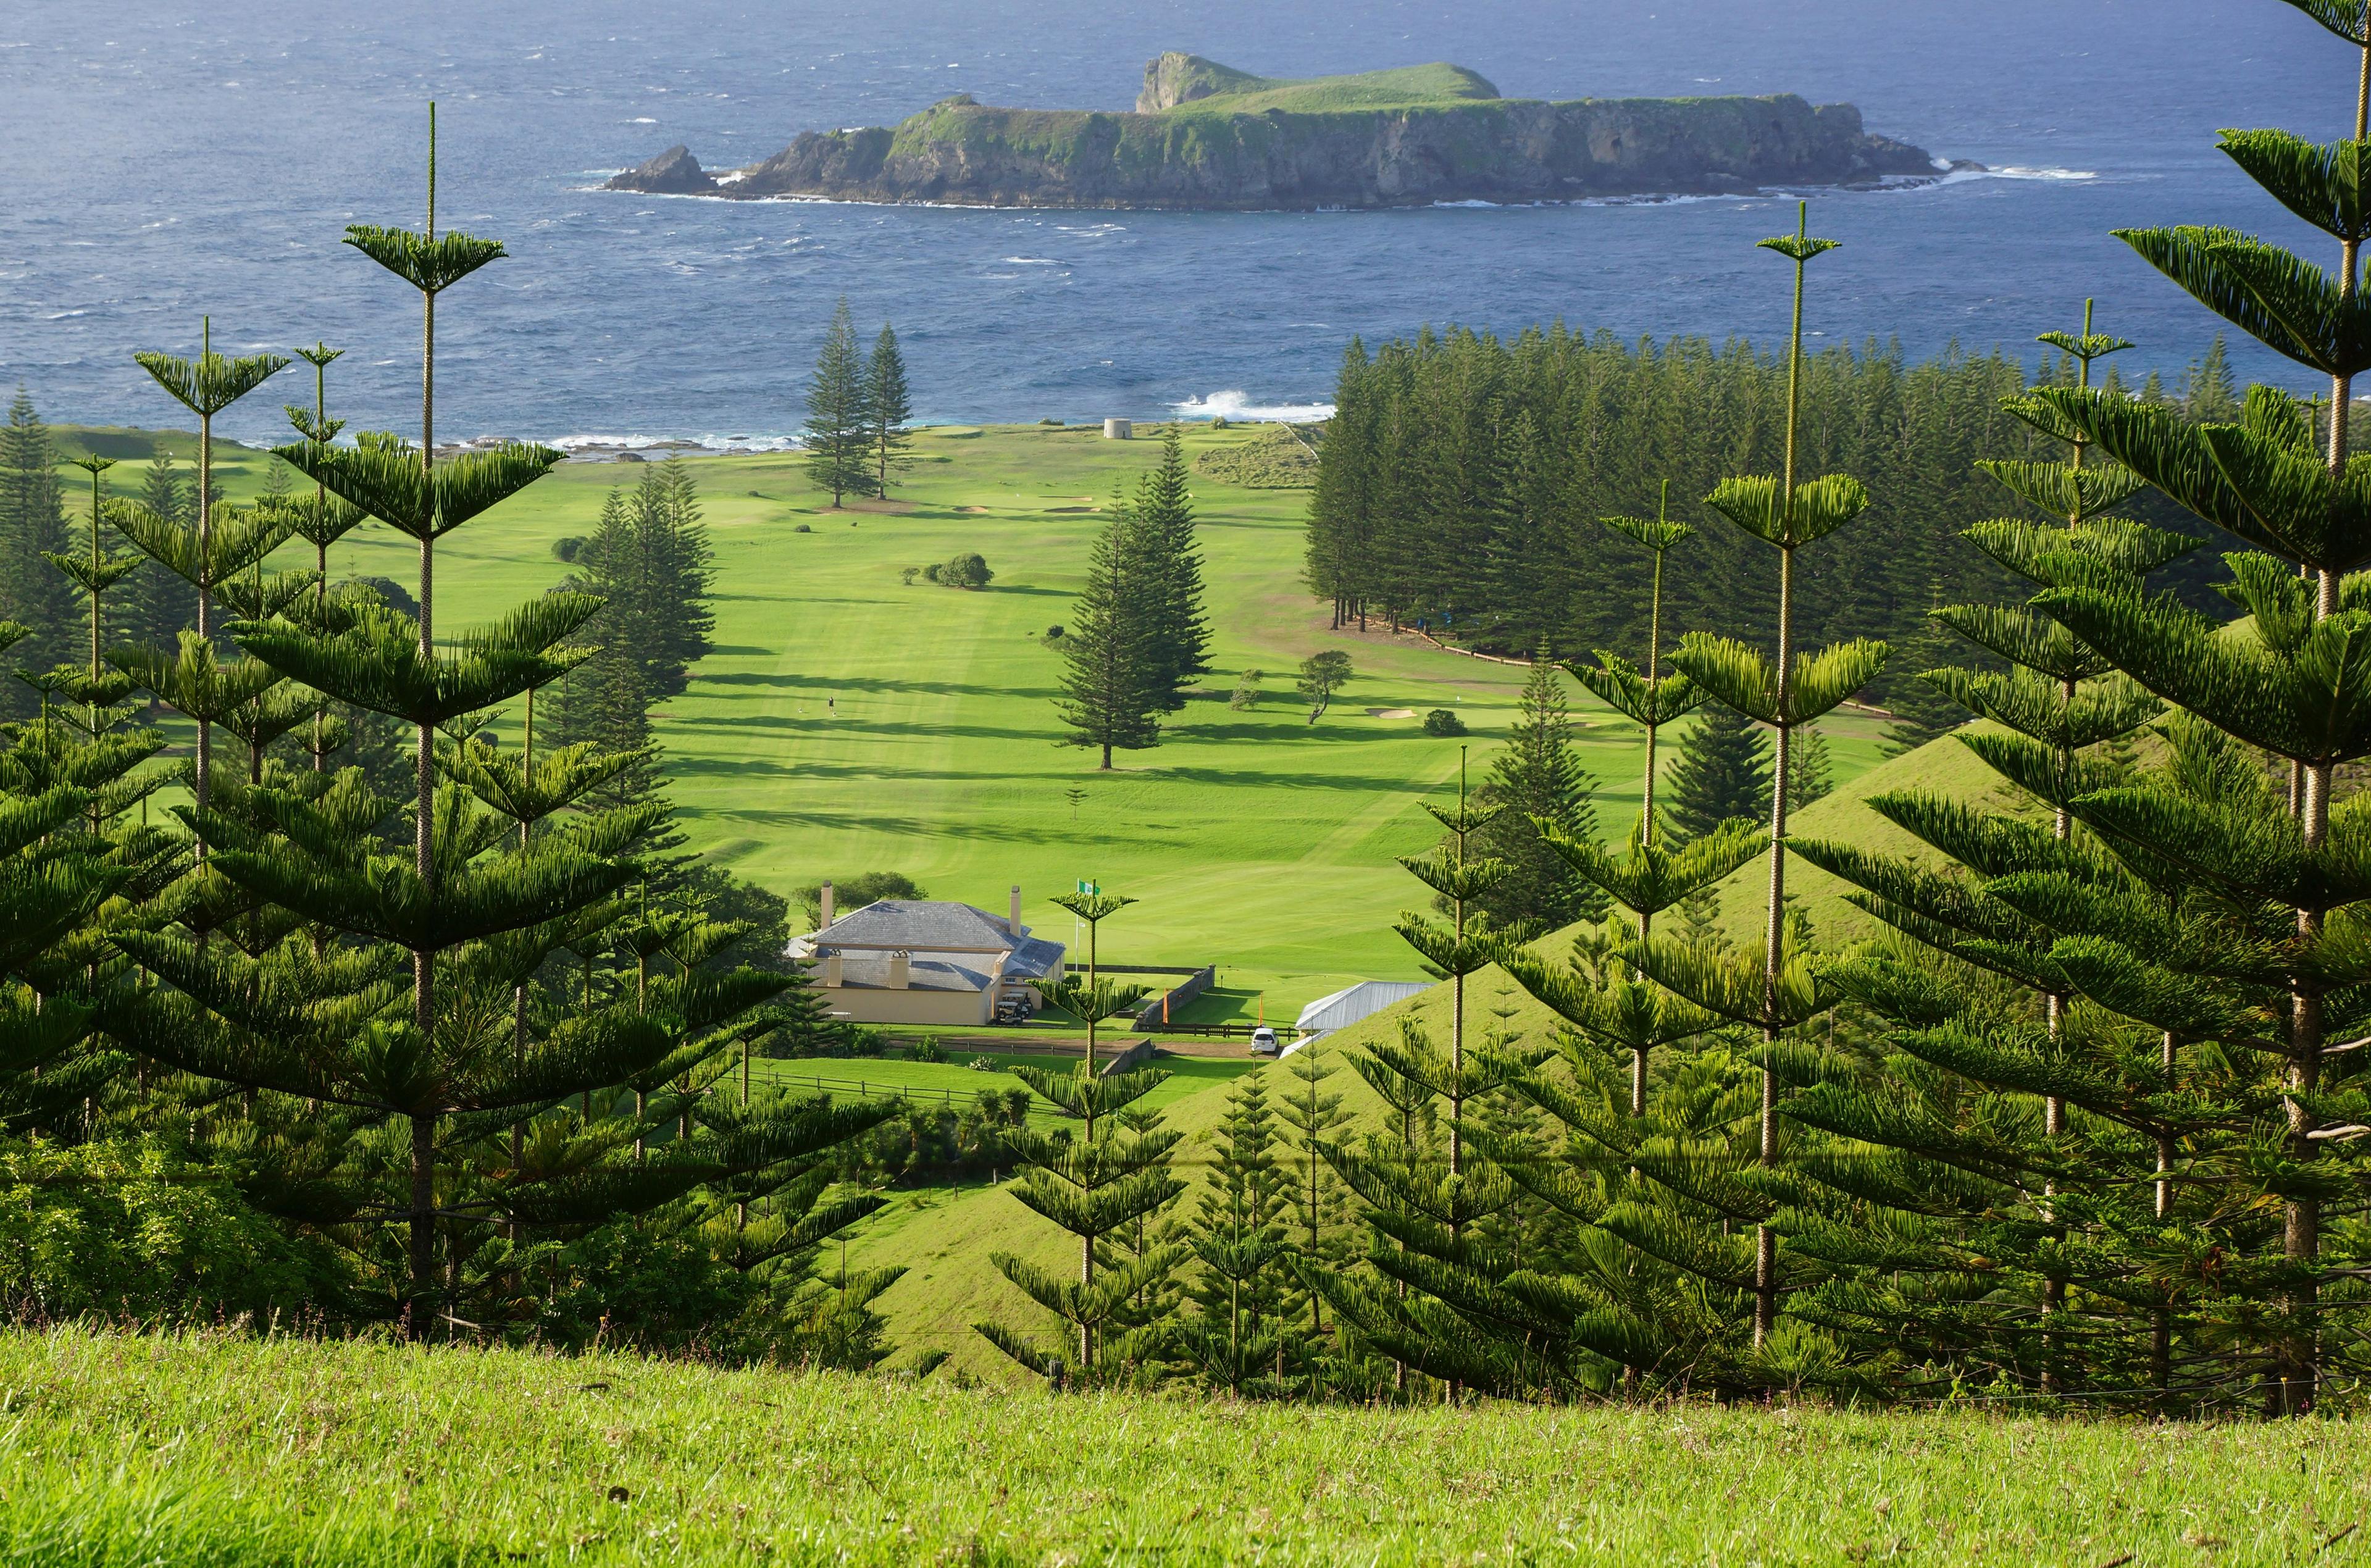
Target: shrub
x=980, y=1064
x=1269, y=459
x=966, y=570
x=926, y=1049
x=1055, y=423
x=803, y=528
x=1052, y=632
x=855, y=893
x=908, y=576
x=1441, y=722
x=127, y=1231
x=931, y=573
x=1247, y=691
x=1220, y=423
x=568, y=547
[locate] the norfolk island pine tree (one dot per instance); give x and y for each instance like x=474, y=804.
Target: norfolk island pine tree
x=484, y=923
x=839, y=442
x=888, y=405
x=1111, y=681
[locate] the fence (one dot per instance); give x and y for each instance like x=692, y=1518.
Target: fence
x=953, y=1100
x=1155, y=1013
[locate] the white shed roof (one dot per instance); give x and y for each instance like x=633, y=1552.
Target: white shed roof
x=1347, y=1006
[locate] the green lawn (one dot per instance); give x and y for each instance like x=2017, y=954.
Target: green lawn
x=849, y=723
x=954, y=1086
x=122, y=1452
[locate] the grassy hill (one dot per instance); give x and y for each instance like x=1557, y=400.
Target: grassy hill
x=848, y=722
x=239, y=1452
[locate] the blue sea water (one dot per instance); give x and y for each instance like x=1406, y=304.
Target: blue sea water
x=165, y=158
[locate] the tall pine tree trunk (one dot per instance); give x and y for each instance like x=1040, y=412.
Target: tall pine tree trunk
x=424, y=960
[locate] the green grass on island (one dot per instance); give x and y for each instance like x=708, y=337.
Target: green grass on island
x=228, y=1449
x=1412, y=86
x=848, y=722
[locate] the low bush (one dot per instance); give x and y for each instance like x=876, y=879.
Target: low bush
x=966, y=570
x=801, y=528
x=126, y=1231
x=1271, y=458
x=926, y=1049
x=854, y=893
x=1441, y=722
x=568, y=545
x=1247, y=691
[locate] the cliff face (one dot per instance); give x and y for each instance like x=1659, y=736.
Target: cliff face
x=1195, y=151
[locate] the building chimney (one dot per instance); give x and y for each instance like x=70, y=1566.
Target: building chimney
x=899, y=976
x=1013, y=921
x=831, y=968
x=826, y=921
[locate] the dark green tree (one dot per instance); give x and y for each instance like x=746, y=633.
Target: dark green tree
x=888, y=405
x=1541, y=788
x=33, y=527
x=1180, y=634
x=156, y=601
x=1112, y=689
x=1722, y=774
x=838, y=437
x=1232, y=1335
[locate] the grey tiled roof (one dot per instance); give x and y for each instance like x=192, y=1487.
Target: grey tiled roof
x=1036, y=959
x=935, y=923
x=925, y=924
x=870, y=970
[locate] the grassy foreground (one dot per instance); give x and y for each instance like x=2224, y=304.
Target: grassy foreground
x=222, y=1450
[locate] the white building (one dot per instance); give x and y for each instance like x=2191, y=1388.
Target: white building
x=931, y=961
x=1352, y=1003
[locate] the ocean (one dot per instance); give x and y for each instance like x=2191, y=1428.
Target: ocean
x=167, y=160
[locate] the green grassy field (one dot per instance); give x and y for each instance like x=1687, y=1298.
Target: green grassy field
x=954, y=1086
x=229, y=1452
x=1407, y=87
x=849, y=723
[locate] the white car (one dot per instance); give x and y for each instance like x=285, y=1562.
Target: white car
x=1264, y=1043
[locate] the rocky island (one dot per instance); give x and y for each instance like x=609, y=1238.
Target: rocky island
x=1205, y=136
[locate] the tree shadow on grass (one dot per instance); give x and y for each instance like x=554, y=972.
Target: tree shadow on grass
x=1267, y=779
x=818, y=724
x=911, y=828
x=824, y=686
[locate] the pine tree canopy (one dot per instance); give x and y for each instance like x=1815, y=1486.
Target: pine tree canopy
x=1114, y=682
x=1722, y=773
x=840, y=437
x=1542, y=791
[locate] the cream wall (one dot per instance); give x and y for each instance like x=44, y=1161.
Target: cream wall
x=866, y=1004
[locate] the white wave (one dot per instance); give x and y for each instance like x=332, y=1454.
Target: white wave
x=62, y=314
x=1237, y=405
x=1031, y=261
x=1470, y=202
x=2014, y=171
x=711, y=442
x=641, y=120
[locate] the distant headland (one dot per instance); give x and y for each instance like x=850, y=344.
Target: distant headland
x=1205, y=136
